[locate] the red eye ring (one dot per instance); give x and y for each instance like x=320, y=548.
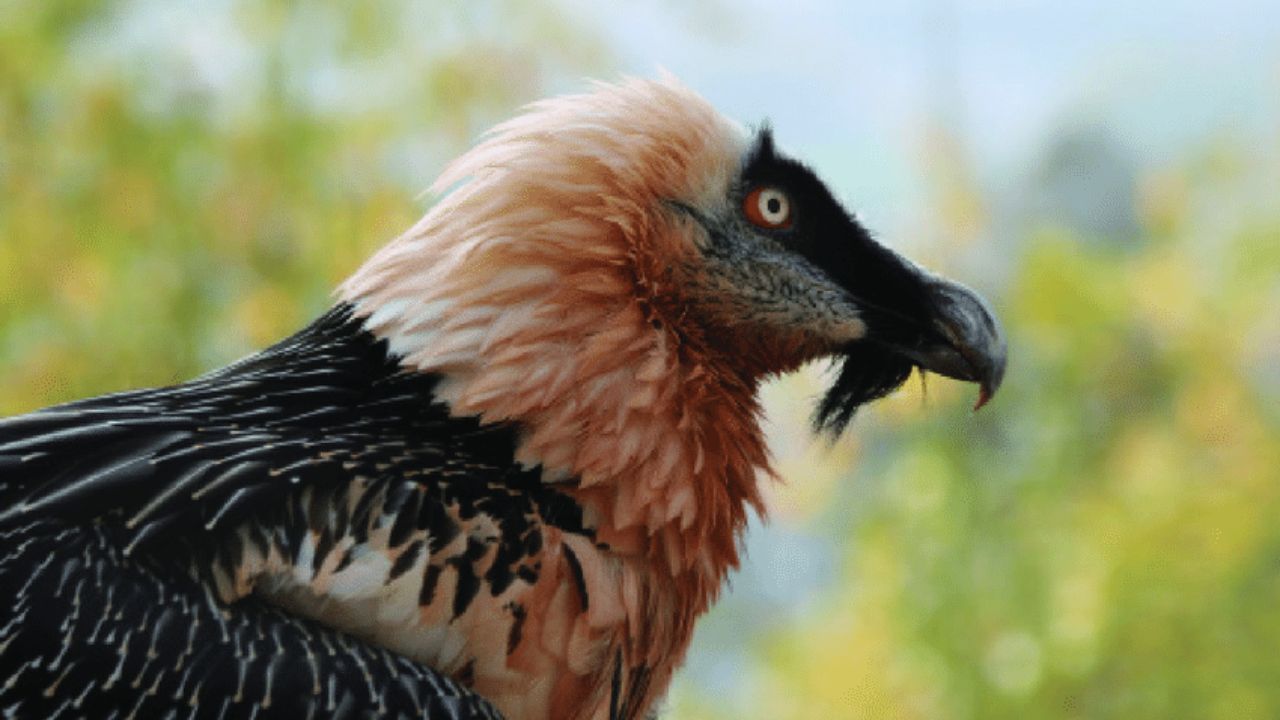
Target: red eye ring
x=768, y=207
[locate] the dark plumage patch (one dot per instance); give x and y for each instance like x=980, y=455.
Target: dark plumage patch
x=615, y=688
x=501, y=572
x=429, y=581
x=406, y=519
x=405, y=560
x=891, y=295
x=468, y=584
x=441, y=527
x=344, y=561
x=323, y=546
x=518, y=614
x=637, y=687
x=321, y=436
x=329, y=405
x=89, y=632
x=578, y=581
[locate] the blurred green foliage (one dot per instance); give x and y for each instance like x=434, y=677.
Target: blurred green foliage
x=1102, y=542
x=172, y=198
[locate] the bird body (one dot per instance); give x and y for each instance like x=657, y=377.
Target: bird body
x=517, y=455
x=137, y=524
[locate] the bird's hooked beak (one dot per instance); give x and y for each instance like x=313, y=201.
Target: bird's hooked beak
x=926, y=322
x=969, y=344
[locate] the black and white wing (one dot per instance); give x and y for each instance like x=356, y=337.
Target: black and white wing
x=125, y=519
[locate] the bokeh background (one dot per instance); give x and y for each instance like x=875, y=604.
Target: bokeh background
x=182, y=183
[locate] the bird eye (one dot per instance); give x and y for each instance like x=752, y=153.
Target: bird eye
x=768, y=207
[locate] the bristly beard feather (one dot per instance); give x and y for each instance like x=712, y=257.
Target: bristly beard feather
x=867, y=372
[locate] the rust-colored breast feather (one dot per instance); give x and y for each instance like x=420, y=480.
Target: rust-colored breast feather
x=463, y=575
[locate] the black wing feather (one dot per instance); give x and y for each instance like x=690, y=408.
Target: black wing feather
x=91, y=633
x=107, y=504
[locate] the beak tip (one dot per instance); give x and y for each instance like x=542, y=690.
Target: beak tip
x=985, y=393
x=974, y=338
x=994, y=377
x=983, y=398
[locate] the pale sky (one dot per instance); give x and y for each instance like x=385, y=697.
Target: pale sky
x=850, y=85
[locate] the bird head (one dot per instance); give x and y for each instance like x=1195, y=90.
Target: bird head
x=635, y=223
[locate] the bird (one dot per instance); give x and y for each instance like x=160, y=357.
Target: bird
x=504, y=474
